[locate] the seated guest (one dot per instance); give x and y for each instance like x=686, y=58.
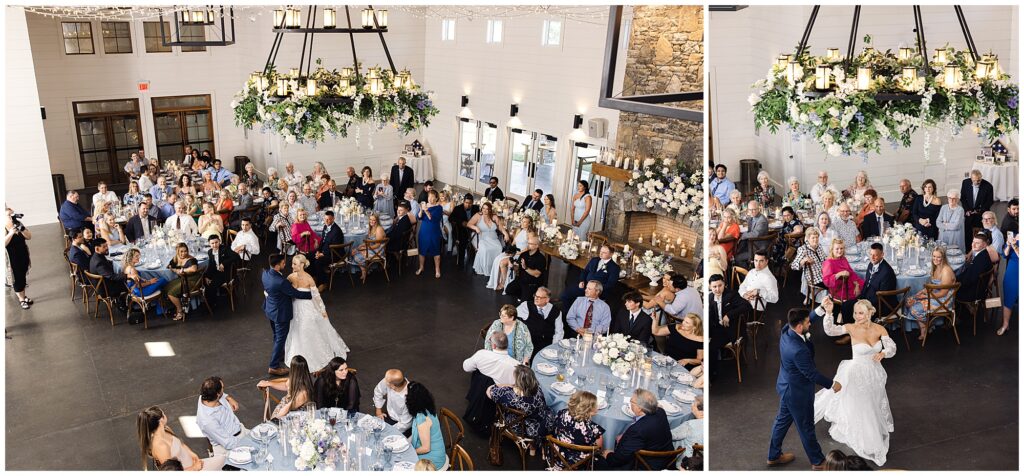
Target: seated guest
x=336, y=386
x=876, y=222
x=867, y=208
x=307, y=198
x=822, y=186
x=182, y=264
x=760, y=287
x=103, y=194
x=691, y=431
x=651, y=432
x=88, y=240
x=757, y=226
x=717, y=258
x=218, y=268
x=72, y=215
x=139, y=287
x=493, y=192
x=245, y=199
x=398, y=234
x=250, y=178
x=976, y=265
x=209, y=184
x=302, y=233
x=220, y=175
x=988, y=224
x=500, y=267
x=273, y=178
x=544, y=319
x=925, y=212
x=298, y=388
x=523, y=394
x=161, y=190
x=878, y=277
x=185, y=186
x=392, y=390
x=906, y=201
x=844, y=225
x=134, y=166
x=215, y=416
x=589, y=312
x=148, y=179
x=330, y=196
x=166, y=208
x=575, y=425
x=493, y=360
x=159, y=443
x=133, y=197
x=729, y=232
x=764, y=191
x=534, y=202
x=1010, y=220
x=210, y=222
x=685, y=341
x=331, y=234
x=426, y=439
x=365, y=251
x=224, y=205
x=793, y=195
x=721, y=187
x=918, y=305
x=110, y=230
x=520, y=344
x=246, y=243
x=183, y=223
x=736, y=202
x=828, y=204
x=790, y=224
x=78, y=252
x=837, y=274
x=951, y=221
x=809, y=259
x=633, y=321
x=600, y=268
x=532, y=267
x=725, y=304
x=100, y=265
x=293, y=177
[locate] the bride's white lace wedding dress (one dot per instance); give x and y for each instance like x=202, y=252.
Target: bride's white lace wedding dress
x=859, y=413
x=311, y=334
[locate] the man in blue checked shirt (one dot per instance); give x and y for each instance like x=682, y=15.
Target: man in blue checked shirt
x=721, y=186
x=219, y=174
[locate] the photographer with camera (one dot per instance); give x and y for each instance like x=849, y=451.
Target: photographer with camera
x=17, y=254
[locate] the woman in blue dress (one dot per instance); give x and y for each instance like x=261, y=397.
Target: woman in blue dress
x=429, y=238
x=919, y=305
x=426, y=439
x=138, y=286
x=925, y=212
x=581, y=210
x=1010, y=280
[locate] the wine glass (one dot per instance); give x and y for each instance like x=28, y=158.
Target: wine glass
x=386, y=451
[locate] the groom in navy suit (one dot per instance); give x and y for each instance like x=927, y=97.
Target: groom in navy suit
x=797, y=380
x=278, y=307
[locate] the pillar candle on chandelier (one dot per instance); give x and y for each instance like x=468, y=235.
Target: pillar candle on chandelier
x=822, y=76
x=864, y=78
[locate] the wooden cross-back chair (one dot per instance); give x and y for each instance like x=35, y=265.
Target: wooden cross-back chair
x=793, y=242
x=889, y=315
x=760, y=243
x=461, y=461
x=555, y=447
x=376, y=253
x=339, y=262
x=982, y=292
x=735, y=347
x=452, y=430
x=641, y=456
x=193, y=285
x=946, y=308
x=503, y=430
x=101, y=295
x=136, y=297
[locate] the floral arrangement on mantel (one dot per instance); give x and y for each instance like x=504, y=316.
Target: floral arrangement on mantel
x=302, y=118
x=838, y=107
x=666, y=186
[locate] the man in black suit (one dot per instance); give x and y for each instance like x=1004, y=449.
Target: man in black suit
x=544, y=319
x=531, y=271
x=140, y=225
x=1010, y=222
x=99, y=264
x=398, y=234
x=77, y=252
x=978, y=263
x=458, y=219
x=330, y=234
x=651, y=432
x=725, y=309
x=402, y=177
x=353, y=182
x=876, y=223
x=977, y=197
x=632, y=320
x=493, y=193
x=600, y=268
x=878, y=277
x=330, y=196
x=427, y=187
x=534, y=202
x=220, y=259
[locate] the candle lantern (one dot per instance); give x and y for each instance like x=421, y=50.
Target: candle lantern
x=951, y=76
x=981, y=70
x=382, y=18
x=311, y=87
x=864, y=78
x=909, y=77
x=782, y=61
x=279, y=18
x=832, y=55
x=294, y=72
x=905, y=54
x=368, y=15
x=794, y=72
x=940, y=56
x=330, y=18
x=282, y=87
x=822, y=77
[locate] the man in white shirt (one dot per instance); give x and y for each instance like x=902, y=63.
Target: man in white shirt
x=392, y=390
x=820, y=187
x=845, y=226
x=494, y=363
x=215, y=416
x=543, y=318
x=760, y=283
x=181, y=221
x=246, y=243
x=102, y=194
x=293, y=177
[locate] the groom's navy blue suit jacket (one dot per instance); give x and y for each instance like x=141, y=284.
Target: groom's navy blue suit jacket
x=797, y=375
x=278, y=304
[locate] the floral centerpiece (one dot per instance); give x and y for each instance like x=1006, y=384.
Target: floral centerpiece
x=569, y=250
x=900, y=235
x=348, y=207
x=549, y=232
x=839, y=105
x=668, y=187
x=800, y=203
x=615, y=351
x=653, y=266
x=312, y=443
x=340, y=100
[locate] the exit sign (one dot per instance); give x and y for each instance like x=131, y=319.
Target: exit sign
x=143, y=86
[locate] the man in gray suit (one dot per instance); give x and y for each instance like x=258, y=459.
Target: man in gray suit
x=757, y=226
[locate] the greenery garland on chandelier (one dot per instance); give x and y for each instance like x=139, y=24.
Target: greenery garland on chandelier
x=851, y=109
x=329, y=102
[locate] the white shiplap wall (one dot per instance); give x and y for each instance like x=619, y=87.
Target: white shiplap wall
x=743, y=44
x=27, y=169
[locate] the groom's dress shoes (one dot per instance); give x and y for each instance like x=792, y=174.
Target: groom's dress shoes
x=783, y=459
x=278, y=372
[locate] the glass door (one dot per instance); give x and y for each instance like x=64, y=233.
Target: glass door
x=531, y=163
x=476, y=160
x=108, y=133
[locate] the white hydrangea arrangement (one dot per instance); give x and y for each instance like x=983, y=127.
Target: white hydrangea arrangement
x=312, y=443
x=900, y=235
x=667, y=187
x=653, y=266
x=569, y=250
x=616, y=352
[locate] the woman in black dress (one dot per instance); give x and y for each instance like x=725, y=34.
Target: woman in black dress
x=15, y=238
x=364, y=192
x=685, y=340
x=925, y=211
x=336, y=387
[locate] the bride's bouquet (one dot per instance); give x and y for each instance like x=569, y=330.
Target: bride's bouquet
x=312, y=444
x=900, y=235
x=617, y=352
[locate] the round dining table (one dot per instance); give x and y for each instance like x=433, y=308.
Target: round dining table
x=371, y=454
x=912, y=271
x=599, y=378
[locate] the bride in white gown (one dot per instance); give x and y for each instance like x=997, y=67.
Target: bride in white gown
x=311, y=334
x=859, y=413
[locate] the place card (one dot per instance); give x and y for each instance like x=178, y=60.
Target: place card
x=600, y=395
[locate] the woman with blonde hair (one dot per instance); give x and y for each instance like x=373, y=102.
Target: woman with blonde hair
x=685, y=341
x=828, y=204
x=157, y=441
x=838, y=275
x=860, y=185
x=210, y=223
x=575, y=425
x=181, y=264
x=728, y=232
x=717, y=258
x=919, y=304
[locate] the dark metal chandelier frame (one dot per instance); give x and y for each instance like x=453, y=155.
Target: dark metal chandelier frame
x=182, y=18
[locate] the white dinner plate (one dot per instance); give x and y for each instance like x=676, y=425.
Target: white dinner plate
x=684, y=396
x=549, y=354
x=563, y=387
x=565, y=343
x=545, y=368
x=397, y=443
x=264, y=431
x=403, y=466
x=627, y=411
x=241, y=455
x=669, y=407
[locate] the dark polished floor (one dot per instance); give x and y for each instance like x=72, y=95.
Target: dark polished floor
x=75, y=385
x=954, y=407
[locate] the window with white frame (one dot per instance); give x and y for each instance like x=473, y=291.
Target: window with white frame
x=494, y=31
x=552, y=35
x=448, y=29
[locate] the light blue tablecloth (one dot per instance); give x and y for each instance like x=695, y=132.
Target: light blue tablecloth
x=611, y=418
x=903, y=279
x=147, y=255
x=287, y=463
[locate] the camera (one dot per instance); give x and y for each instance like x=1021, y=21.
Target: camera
x=16, y=220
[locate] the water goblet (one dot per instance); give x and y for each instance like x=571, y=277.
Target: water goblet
x=386, y=451
x=377, y=432
x=663, y=386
